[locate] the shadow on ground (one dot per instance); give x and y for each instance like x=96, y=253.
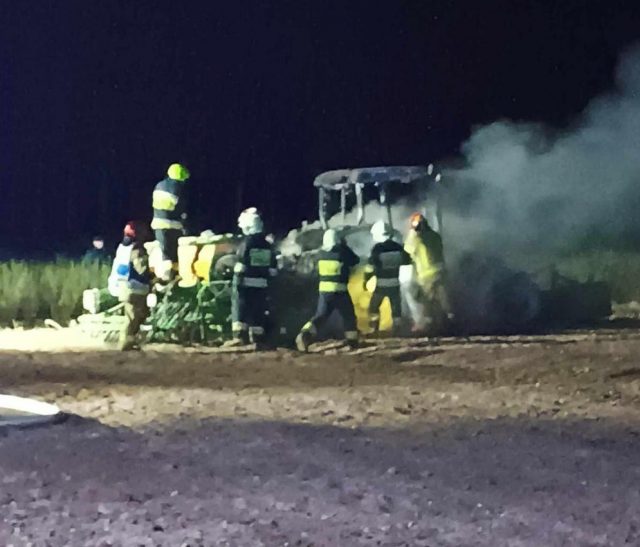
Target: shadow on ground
x=503, y=482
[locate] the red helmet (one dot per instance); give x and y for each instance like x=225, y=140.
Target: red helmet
x=416, y=220
x=130, y=229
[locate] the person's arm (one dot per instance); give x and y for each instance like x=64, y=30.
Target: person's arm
x=352, y=259
x=240, y=266
x=406, y=258
x=273, y=267
x=140, y=261
x=370, y=268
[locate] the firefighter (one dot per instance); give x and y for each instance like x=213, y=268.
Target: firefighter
x=424, y=246
x=335, y=262
x=169, y=213
x=130, y=282
x=385, y=260
x=252, y=274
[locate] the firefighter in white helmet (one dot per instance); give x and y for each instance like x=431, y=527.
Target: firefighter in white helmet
x=335, y=262
x=255, y=268
x=385, y=260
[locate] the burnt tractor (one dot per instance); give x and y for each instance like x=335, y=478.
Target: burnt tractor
x=486, y=295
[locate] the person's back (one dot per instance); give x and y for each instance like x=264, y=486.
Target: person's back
x=256, y=265
x=168, y=205
x=386, y=258
x=335, y=262
x=257, y=259
x=169, y=213
x=334, y=267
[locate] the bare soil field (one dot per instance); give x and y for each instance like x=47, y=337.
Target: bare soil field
x=484, y=441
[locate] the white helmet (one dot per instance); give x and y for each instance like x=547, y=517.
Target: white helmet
x=330, y=239
x=250, y=222
x=381, y=231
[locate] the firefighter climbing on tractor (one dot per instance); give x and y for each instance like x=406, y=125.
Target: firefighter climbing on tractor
x=130, y=282
x=424, y=246
x=385, y=260
x=255, y=268
x=335, y=262
x=169, y=214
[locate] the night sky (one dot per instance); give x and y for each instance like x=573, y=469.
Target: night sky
x=97, y=98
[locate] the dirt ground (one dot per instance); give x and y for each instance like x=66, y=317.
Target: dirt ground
x=486, y=441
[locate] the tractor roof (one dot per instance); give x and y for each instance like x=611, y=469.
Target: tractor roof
x=345, y=178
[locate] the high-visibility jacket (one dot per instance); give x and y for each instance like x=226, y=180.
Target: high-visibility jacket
x=168, y=205
x=256, y=262
x=334, y=268
x=385, y=261
x=130, y=271
x=425, y=249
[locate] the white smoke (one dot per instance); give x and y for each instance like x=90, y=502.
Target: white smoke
x=526, y=188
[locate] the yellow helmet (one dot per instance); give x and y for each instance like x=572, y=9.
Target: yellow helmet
x=178, y=171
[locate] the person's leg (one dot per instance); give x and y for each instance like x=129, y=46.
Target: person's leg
x=257, y=304
x=239, y=325
x=344, y=304
x=135, y=312
x=395, y=299
x=310, y=328
x=374, y=309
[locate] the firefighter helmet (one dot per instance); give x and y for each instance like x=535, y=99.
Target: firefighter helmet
x=417, y=219
x=177, y=171
x=130, y=229
x=250, y=221
x=330, y=239
x=381, y=231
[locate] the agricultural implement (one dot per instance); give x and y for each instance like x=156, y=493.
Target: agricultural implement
x=193, y=309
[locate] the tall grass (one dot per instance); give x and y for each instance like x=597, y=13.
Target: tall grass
x=620, y=269
x=31, y=292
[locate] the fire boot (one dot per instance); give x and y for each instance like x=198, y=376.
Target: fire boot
x=240, y=338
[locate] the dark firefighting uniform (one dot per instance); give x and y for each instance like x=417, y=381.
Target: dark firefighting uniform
x=384, y=262
x=168, y=215
x=255, y=267
x=334, y=267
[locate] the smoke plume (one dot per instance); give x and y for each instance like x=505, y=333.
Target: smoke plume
x=526, y=188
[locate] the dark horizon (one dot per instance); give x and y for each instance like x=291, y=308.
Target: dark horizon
x=97, y=99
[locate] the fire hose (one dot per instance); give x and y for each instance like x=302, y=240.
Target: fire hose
x=25, y=412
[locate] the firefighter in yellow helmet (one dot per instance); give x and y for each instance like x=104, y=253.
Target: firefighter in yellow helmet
x=169, y=211
x=424, y=246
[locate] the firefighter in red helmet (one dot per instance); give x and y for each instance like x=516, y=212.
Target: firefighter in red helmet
x=424, y=246
x=130, y=282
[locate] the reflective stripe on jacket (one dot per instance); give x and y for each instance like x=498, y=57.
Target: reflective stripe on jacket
x=385, y=261
x=168, y=205
x=334, y=268
x=256, y=262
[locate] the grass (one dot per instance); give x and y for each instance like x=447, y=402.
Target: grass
x=620, y=269
x=31, y=292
